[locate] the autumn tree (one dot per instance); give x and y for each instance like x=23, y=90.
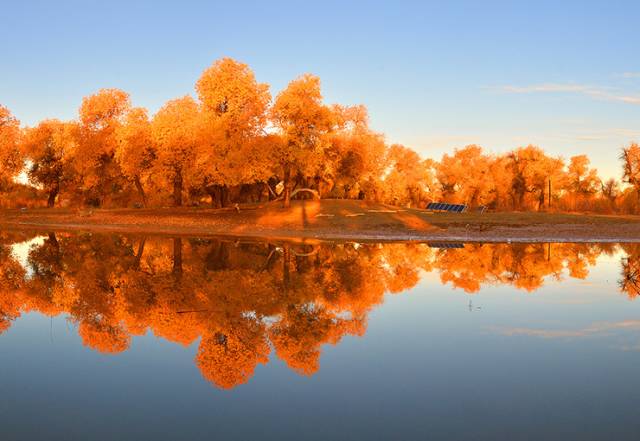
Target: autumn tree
x=175, y=132
x=234, y=114
x=610, y=189
x=465, y=176
x=581, y=179
x=10, y=159
x=100, y=116
x=135, y=152
x=630, y=157
x=49, y=147
x=409, y=179
x=501, y=175
x=532, y=170
x=228, y=358
x=303, y=121
x=355, y=154
x=12, y=277
x=629, y=282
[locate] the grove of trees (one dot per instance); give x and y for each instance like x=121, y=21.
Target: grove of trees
x=232, y=142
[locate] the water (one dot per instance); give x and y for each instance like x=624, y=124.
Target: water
x=127, y=337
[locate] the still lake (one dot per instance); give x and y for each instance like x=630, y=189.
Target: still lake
x=119, y=337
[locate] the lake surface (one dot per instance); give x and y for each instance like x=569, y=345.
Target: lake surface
x=118, y=337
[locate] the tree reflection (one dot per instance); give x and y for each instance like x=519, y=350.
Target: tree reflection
x=630, y=278
x=238, y=300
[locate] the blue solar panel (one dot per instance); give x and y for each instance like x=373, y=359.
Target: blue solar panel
x=445, y=245
x=442, y=206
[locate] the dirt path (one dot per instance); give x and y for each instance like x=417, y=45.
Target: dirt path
x=334, y=220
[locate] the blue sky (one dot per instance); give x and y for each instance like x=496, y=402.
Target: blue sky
x=434, y=75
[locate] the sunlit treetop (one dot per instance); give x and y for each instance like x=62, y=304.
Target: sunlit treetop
x=10, y=159
x=102, y=108
x=230, y=93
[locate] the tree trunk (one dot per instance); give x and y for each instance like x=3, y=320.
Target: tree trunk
x=177, y=189
x=271, y=195
x=219, y=197
x=54, y=241
x=287, y=186
x=286, y=266
x=53, y=193
x=140, y=191
x=177, y=256
x=224, y=196
x=215, y=193
x=138, y=258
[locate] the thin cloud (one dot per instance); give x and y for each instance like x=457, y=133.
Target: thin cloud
x=601, y=93
x=601, y=328
x=630, y=75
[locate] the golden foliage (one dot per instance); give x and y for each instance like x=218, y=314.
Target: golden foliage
x=239, y=300
x=234, y=145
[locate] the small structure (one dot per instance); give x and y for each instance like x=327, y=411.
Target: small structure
x=445, y=245
x=451, y=208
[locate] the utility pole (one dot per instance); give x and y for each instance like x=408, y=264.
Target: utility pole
x=549, y=203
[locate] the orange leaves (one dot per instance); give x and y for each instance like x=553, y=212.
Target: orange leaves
x=408, y=180
x=239, y=300
x=100, y=110
x=175, y=130
x=228, y=144
x=465, y=176
x=232, y=149
x=229, y=91
x=630, y=157
x=229, y=357
x=303, y=121
x=104, y=338
x=10, y=158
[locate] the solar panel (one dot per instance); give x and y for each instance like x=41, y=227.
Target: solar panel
x=443, y=206
x=445, y=245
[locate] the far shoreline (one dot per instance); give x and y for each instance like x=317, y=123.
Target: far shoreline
x=332, y=220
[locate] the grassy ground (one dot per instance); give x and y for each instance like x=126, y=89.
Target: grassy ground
x=334, y=219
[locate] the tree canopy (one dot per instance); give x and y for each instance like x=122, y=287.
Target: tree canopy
x=232, y=143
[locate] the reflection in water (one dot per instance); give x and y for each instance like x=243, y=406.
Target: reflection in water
x=241, y=301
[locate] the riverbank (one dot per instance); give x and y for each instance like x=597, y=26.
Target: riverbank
x=333, y=220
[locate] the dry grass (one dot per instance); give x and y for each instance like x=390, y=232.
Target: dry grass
x=333, y=219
